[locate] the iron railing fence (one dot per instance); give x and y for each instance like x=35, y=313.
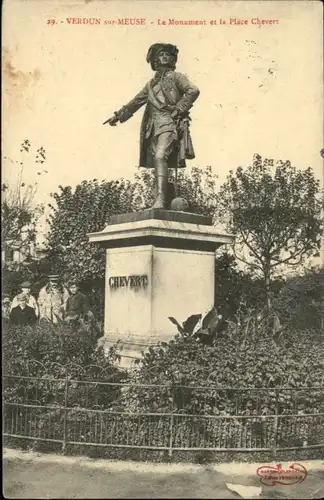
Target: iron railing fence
x=162, y=417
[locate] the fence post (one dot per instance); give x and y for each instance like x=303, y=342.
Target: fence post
x=171, y=422
x=65, y=413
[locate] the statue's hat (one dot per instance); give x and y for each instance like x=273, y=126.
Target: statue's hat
x=157, y=47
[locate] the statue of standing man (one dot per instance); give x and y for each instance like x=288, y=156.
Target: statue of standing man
x=165, y=140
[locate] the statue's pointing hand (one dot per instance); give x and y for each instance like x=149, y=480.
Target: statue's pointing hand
x=112, y=120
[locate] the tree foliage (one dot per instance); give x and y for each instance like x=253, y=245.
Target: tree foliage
x=301, y=300
x=36, y=271
x=237, y=290
x=275, y=214
x=197, y=185
x=78, y=212
x=18, y=211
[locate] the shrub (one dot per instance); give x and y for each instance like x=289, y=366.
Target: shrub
x=53, y=353
x=220, y=379
x=300, y=301
x=184, y=385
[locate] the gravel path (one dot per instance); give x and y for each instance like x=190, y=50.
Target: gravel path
x=34, y=475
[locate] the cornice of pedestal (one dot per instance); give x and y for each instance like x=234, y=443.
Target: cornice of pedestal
x=161, y=233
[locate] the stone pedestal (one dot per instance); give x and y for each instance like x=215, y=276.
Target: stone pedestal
x=159, y=264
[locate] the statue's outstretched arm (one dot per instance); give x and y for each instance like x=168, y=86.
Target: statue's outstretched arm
x=127, y=111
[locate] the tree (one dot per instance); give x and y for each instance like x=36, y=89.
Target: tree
x=197, y=185
x=78, y=212
x=237, y=291
x=301, y=300
x=19, y=214
x=275, y=214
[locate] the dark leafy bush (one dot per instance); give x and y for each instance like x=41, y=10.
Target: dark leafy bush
x=237, y=291
x=244, y=355
x=48, y=348
x=301, y=300
x=183, y=393
x=49, y=365
x=246, y=371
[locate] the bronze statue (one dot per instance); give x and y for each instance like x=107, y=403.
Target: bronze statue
x=165, y=140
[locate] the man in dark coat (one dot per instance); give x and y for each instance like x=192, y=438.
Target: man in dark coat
x=77, y=305
x=165, y=140
x=77, y=311
x=22, y=314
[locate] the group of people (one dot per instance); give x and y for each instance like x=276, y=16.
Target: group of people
x=55, y=303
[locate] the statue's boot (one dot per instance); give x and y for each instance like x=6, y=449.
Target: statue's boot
x=161, y=175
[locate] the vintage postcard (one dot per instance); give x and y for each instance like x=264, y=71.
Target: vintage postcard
x=162, y=248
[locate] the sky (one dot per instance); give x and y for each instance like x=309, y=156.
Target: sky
x=261, y=87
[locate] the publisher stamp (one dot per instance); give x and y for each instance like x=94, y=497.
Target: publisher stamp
x=271, y=475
